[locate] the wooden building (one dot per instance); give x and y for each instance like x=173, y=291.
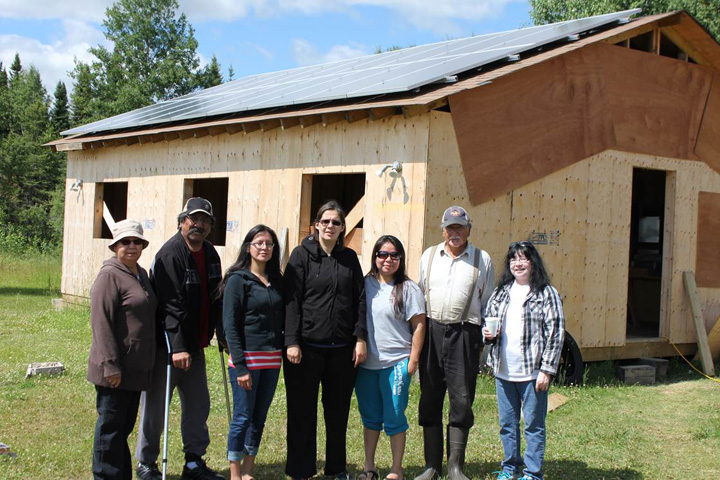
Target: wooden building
x=603, y=149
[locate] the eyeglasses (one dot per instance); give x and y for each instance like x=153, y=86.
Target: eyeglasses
x=519, y=260
x=134, y=241
x=200, y=218
x=382, y=255
x=260, y=245
x=326, y=221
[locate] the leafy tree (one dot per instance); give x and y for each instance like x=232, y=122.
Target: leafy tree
x=551, y=11
x=153, y=58
x=211, y=75
x=60, y=113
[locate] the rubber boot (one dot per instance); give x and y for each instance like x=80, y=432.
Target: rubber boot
x=433, y=445
x=457, y=441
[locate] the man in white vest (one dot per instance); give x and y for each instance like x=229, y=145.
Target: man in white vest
x=457, y=280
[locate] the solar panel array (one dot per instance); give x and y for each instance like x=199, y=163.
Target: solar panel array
x=390, y=72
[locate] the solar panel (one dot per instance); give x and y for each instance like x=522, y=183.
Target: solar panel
x=390, y=72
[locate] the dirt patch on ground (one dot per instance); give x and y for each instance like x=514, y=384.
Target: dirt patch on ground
x=694, y=385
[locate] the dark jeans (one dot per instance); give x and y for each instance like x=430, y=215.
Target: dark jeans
x=334, y=369
x=449, y=362
x=250, y=409
x=117, y=410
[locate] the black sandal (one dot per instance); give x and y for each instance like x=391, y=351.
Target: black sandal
x=368, y=475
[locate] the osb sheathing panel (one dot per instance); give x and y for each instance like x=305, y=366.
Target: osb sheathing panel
x=707, y=264
x=264, y=171
x=549, y=116
x=583, y=212
x=708, y=143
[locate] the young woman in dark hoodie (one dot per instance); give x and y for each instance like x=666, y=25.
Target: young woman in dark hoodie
x=253, y=319
x=325, y=336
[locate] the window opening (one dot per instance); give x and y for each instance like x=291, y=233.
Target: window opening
x=110, y=207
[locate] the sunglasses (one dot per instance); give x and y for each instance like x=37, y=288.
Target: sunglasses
x=134, y=241
x=326, y=221
x=523, y=244
x=382, y=255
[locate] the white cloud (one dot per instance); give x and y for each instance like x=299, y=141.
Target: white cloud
x=55, y=59
x=305, y=53
x=438, y=16
x=84, y=10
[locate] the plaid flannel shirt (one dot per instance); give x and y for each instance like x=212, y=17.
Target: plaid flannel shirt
x=543, y=332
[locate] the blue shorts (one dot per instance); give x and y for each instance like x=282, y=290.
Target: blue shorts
x=382, y=397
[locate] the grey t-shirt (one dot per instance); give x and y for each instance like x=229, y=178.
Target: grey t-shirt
x=389, y=336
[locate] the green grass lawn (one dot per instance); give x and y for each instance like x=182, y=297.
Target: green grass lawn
x=605, y=431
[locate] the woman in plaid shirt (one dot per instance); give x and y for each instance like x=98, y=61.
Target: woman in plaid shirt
x=524, y=355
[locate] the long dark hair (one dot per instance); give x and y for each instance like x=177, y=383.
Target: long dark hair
x=399, y=277
x=539, y=278
x=332, y=205
x=272, y=268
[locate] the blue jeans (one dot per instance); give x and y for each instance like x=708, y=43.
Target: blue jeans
x=382, y=397
x=250, y=409
x=511, y=397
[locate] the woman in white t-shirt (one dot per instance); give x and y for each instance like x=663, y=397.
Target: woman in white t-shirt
x=396, y=331
x=524, y=355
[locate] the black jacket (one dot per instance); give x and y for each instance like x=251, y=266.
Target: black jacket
x=253, y=317
x=324, y=296
x=175, y=276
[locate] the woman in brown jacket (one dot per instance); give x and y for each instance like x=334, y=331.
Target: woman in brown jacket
x=122, y=316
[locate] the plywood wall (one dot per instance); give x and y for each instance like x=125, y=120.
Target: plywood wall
x=265, y=174
x=584, y=209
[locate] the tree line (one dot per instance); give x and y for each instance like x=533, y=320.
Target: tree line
x=153, y=58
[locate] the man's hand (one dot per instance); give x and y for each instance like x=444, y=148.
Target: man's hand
x=182, y=360
x=294, y=354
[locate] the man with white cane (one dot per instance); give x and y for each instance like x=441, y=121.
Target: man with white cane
x=186, y=273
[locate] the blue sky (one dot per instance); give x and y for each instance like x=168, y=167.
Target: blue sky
x=255, y=36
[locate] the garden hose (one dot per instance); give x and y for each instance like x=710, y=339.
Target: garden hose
x=689, y=362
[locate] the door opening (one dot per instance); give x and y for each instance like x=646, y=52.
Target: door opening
x=646, y=253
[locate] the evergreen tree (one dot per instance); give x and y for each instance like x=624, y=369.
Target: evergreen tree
x=551, y=11
x=82, y=99
x=60, y=113
x=211, y=75
x=16, y=67
x=30, y=174
x=4, y=103
x=231, y=73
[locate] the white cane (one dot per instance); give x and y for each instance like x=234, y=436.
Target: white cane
x=225, y=383
x=167, y=405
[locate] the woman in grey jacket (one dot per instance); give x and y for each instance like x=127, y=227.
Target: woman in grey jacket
x=253, y=319
x=122, y=316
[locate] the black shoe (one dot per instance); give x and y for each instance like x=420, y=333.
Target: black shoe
x=200, y=472
x=148, y=471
